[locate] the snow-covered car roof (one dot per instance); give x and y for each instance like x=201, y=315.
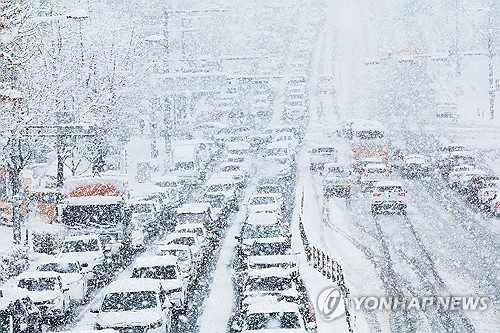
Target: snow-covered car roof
x=273, y=259
x=238, y=145
x=262, y=195
x=188, y=226
x=93, y=200
x=459, y=153
x=262, y=218
x=38, y=274
x=81, y=237
x=195, y=208
x=272, y=306
x=278, y=144
x=173, y=247
x=10, y=294
x=150, y=261
x=81, y=330
x=388, y=183
x=415, y=157
x=176, y=235
x=273, y=271
x=361, y=125
x=270, y=240
x=376, y=166
x=56, y=260
x=133, y=284
x=220, y=178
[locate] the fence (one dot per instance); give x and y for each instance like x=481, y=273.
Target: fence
x=327, y=266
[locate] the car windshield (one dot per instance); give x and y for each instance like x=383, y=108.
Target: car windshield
x=269, y=283
x=272, y=320
x=219, y=188
x=141, y=208
x=266, y=189
x=166, y=183
x=193, y=218
x=155, y=272
x=129, y=301
x=189, y=241
x=389, y=189
x=265, y=249
x=38, y=284
x=376, y=170
x=182, y=255
x=69, y=267
x=277, y=151
x=197, y=231
x=261, y=231
x=80, y=245
x=262, y=201
x=229, y=168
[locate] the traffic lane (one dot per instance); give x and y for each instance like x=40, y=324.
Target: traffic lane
x=456, y=236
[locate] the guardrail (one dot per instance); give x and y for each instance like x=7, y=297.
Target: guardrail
x=326, y=265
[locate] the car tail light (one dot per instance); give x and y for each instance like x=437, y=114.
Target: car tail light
x=402, y=194
x=497, y=205
x=347, y=187
x=386, y=174
x=377, y=194
x=485, y=193
x=328, y=187
x=365, y=175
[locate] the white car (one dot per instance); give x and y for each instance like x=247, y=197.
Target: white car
x=47, y=291
x=195, y=228
x=188, y=239
x=87, y=249
x=487, y=193
x=494, y=205
x=235, y=171
x=270, y=188
x=166, y=269
x=183, y=254
x=415, y=166
x=271, y=282
x=287, y=137
x=240, y=160
x=453, y=175
x=73, y=275
x=238, y=148
x=373, y=173
x=320, y=155
x=388, y=196
x=134, y=304
x=263, y=203
x=281, y=316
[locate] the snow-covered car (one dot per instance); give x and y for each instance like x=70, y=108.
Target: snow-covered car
x=73, y=275
x=277, y=169
x=195, y=212
x=272, y=188
x=456, y=171
x=47, y=291
x=183, y=255
x=336, y=180
x=488, y=192
x=373, y=173
x=259, y=141
x=270, y=246
x=242, y=161
x=285, y=261
x=389, y=196
x=295, y=129
x=87, y=249
x=195, y=228
x=263, y=203
x=18, y=313
x=238, y=148
x=235, y=171
x=271, y=282
x=138, y=305
x=166, y=269
x=321, y=154
x=494, y=205
x=273, y=317
x=188, y=239
x=464, y=179
x=477, y=182
x=279, y=149
x=287, y=137
x=457, y=158
x=359, y=166
x=444, y=151
x=83, y=330
x=260, y=226
x=415, y=166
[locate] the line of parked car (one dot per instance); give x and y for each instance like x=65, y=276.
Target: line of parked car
x=271, y=293
x=464, y=173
